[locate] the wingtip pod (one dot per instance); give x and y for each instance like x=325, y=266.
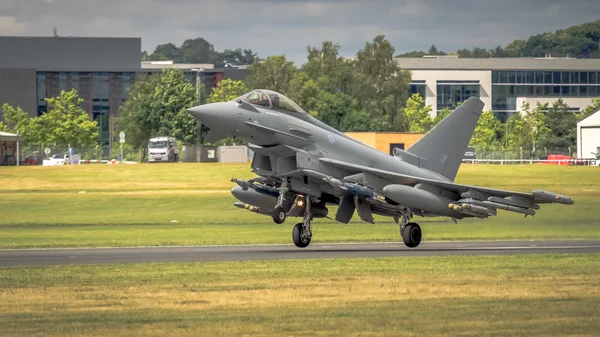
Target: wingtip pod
x=552, y=197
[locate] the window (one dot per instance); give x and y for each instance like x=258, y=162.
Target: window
x=574, y=77
x=494, y=76
x=583, y=77
x=520, y=77
x=449, y=95
x=417, y=88
x=565, y=77
x=539, y=91
x=593, y=78
x=539, y=77
x=583, y=91
x=573, y=91
x=556, y=77
x=503, y=76
x=556, y=90
x=547, y=90
x=529, y=90
x=547, y=77
x=529, y=77
x=564, y=90
x=511, y=77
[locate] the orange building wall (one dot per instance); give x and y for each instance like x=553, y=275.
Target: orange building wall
x=382, y=140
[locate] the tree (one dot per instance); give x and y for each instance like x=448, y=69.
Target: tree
x=227, y=90
x=380, y=86
x=432, y=50
x=157, y=106
x=498, y=52
x=66, y=123
x=515, y=48
x=307, y=94
x=15, y=119
x=167, y=51
x=418, y=114
x=562, y=126
x=198, y=51
x=235, y=57
x=587, y=111
x=464, y=53
x=415, y=53
x=487, y=132
x=274, y=73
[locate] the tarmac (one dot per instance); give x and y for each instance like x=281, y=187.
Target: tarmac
x=70, y=256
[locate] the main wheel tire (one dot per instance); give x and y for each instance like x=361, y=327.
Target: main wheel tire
x=411, y=235
x=299, y=240
x=278, y=215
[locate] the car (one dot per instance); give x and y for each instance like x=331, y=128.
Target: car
x=32, y=159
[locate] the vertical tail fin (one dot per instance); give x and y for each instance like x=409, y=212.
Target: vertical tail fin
x=444, y=146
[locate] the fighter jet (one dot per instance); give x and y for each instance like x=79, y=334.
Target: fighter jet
x=303, y=166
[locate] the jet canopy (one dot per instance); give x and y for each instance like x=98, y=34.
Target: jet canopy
x=271, y=100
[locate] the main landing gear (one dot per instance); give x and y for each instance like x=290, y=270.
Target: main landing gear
x=301, y=234
x=410, y=231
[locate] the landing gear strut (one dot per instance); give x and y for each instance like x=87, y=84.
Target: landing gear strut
x=279, y=214
x=410, y=231
x=302, y=234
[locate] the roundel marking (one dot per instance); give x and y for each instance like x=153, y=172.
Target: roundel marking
x=330, y=138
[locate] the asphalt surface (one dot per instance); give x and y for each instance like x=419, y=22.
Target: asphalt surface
x=24, y=257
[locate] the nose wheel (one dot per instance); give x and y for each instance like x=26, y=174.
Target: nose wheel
x=278, y=215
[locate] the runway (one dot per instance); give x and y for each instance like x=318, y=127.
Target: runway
x=43, y=257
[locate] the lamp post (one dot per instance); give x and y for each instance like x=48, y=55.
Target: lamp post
x=198, y=102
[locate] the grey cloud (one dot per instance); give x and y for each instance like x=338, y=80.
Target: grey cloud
x=286, y=27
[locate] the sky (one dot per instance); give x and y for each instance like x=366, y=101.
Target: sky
x=276, y=27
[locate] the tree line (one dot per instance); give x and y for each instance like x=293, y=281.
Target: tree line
x=581, y=41
x=200, y=51
x=64, y=124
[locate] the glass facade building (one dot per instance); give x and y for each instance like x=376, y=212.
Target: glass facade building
x=507, y=85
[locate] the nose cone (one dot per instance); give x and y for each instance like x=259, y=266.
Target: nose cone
x=221, y=115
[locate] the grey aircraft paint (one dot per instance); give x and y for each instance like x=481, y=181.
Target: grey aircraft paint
x=308, y=164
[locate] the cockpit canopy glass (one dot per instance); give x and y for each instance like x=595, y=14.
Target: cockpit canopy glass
x=271, y=100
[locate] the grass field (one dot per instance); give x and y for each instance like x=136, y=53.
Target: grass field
x=530, y=295
x=185, y=204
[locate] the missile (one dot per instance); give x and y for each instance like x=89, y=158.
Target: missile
x=353, y=189
x=242, y=183
x=526, y=211
x=258, y=187
x=479, y=209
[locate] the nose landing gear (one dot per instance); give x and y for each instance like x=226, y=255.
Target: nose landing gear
x=302, y=233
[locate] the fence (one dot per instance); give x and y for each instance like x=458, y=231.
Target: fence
x=520, y=154
x=35, y=154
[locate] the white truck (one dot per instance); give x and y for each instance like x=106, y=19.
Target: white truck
x=163, y=149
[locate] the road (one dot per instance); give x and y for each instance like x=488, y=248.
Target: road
x=24, y=257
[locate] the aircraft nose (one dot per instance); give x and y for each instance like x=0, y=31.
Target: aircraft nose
x=215, y=115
